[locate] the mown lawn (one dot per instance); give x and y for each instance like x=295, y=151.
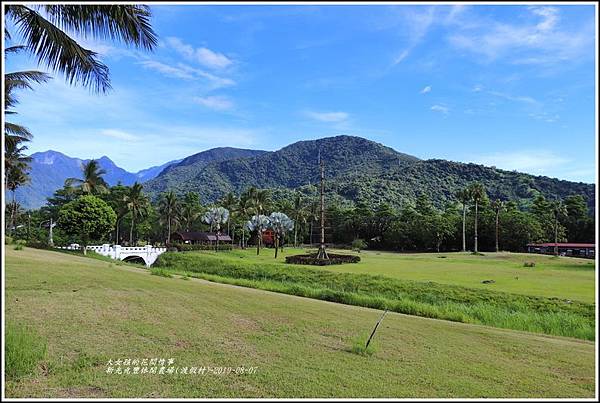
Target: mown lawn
x=562, y=277
x=89, y=311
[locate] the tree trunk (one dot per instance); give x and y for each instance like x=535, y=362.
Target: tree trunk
x=497, y=225
x=117, y=232
x=276, y=245
x=131, y=230
x=475, y=227
x=464, y=239
x=296, y=235
x=258, y=237
x=168, y=230
x=243, y=236
x=556, y=235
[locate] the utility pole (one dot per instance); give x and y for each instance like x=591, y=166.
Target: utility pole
x=322, y=254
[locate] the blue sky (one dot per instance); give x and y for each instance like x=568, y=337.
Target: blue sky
x=510, y=86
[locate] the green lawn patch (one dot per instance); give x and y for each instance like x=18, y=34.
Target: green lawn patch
x=428, y=299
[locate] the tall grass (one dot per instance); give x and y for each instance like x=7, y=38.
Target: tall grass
x=428, y=299
x=24, y=349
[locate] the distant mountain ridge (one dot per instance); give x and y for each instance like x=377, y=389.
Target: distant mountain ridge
x=357, y=169
x=49, y=169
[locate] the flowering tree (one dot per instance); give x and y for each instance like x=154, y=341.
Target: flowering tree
x=215, y=217
x=258, y=223
x=280, y=224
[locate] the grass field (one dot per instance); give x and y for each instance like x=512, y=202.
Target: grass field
x=560, y=317
x=562, y=277
x=89, y=311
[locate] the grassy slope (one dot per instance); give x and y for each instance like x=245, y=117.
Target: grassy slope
x=89, y=308
x=563, y=277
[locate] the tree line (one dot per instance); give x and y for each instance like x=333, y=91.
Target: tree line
x=473, y=222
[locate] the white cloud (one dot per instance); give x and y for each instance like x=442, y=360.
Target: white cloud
x=426, y=90
x=532, y=161
x=477, y=88
x=524, y=99
x=440, y=108
x=539, y=41
x=418, y=24
x=186, y=72
x=119, y=134
x=202, y=55
x=216, y=102
x=331, y=117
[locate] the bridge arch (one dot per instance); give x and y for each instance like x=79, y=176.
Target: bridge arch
x=135, y=259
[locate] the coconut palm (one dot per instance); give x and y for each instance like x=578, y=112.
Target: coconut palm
x=215, y=217
x=497, y=206
x=258, y=223
x=478, y=194
x=92, y=182
x=464, y=197
x=279, y=223
x=169, y=209
x=47, y=30
x=559, y=210
x=190, y=210
x=138, y=205
x=300, y=213
x=15, y=176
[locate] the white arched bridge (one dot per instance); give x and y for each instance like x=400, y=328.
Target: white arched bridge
x=147, y=253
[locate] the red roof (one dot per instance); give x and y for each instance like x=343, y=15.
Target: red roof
x=566, y=245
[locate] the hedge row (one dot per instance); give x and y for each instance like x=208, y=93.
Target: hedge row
x=312, y=259
x=186, y=247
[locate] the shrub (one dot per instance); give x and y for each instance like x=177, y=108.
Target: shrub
x=18, y=247
x=186, y=247
x=312, y=259
x=160, y=272
x=8, y=240
x=477, y=254
x=24, y=350
x=529, y=264
x=358, y=244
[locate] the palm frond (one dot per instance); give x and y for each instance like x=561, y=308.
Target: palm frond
x=127, y=23
x=55, y=49
x=14, y=49
x=13, y=129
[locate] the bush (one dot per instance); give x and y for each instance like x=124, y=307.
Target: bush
x=8, y=240
x=477, y=254
x=529, y=264
x=312, y=259
x=160, y=272
x=358, y=244
x=186, y=247
x=24, y=350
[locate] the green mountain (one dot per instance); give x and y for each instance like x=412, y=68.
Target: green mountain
x=355, y=169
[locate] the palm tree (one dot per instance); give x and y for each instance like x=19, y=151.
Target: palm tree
x=300, y=214
x=280, y=223
x=464, y=197
x=92, y=182
x=497, y=206
x=215, y=217
x=45, y=33
x=190, y=210
x=169, y=208
x=138, y=204
x=15, y=176
x=559, y=210
x=478, y=194
x=244, y=209
x=230, y=202
x=258, y=223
